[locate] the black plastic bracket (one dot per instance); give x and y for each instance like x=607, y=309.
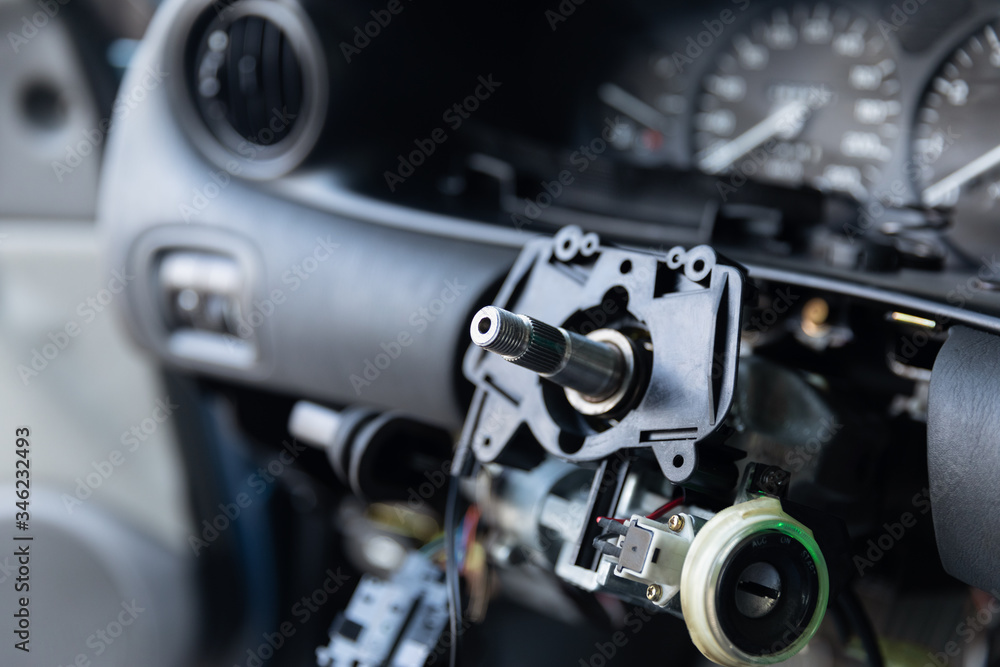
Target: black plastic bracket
x=682, y=307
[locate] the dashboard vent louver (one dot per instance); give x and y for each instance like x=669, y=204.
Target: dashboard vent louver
x=248, y=76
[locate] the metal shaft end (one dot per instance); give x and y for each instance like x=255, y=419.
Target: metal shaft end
x=501, y=331
x=595, y=369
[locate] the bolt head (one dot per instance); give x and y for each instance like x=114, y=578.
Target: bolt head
x=653, y=592
x=774, y=480
x=675, y=523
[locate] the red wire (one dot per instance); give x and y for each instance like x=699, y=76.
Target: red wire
x=655, y=514
x=663, y=509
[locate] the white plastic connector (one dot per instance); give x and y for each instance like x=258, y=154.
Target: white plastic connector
x=652, y=553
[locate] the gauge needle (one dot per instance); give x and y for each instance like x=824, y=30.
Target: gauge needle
x=630, y=105
x=786, y=121
x=936, y=193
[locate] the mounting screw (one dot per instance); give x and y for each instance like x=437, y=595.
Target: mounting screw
x=675, y=523
x=653, y=592
x=774, y=480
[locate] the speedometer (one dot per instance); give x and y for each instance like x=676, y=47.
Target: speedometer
x=808, y=96
x=956, y=144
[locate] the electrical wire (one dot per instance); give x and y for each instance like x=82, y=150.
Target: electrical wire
x=432, y=547
x=862, y=626
x=451, y=569
x=478, y=575
x=664, y=508
x=469, y=526
x=655, y=514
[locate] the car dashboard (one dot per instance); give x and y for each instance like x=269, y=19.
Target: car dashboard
x=660, y=311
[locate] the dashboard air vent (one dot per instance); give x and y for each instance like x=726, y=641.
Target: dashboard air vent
x=255, y=79
x=249, y=76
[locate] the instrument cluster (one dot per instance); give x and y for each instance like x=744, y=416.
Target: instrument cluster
x=886, y=102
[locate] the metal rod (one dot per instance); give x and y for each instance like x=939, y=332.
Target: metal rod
x=593, y=368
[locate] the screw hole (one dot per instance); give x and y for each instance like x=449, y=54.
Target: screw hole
x=484, y=325
x=678, y=461
x=626, y=266
x=698, y=265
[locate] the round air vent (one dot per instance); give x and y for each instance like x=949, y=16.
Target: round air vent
x=249, y=76
x=256, y=84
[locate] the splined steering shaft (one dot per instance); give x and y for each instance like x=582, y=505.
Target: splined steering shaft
x=596, y=369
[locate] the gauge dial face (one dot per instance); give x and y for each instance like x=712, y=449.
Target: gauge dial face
x=644, y=108
x=956, y=138
x=805, y=96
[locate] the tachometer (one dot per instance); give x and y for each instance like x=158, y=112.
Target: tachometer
x=808, y=96
x=956, y=143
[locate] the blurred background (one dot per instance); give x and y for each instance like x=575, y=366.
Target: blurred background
x=106, y=534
